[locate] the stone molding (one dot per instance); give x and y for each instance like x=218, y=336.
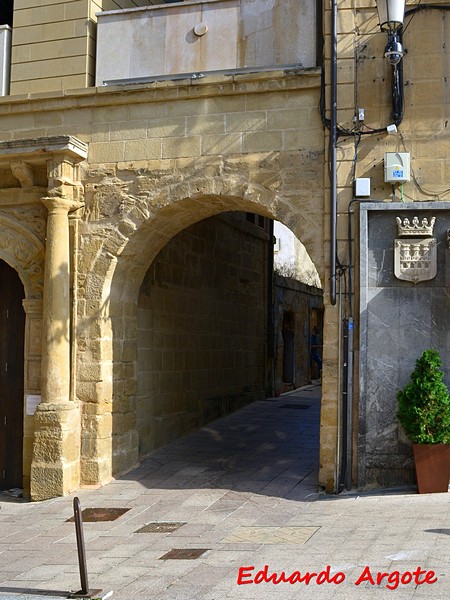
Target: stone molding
x=43, y=148
x=160, y=91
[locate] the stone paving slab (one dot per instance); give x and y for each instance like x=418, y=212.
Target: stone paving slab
x=234, y=483
x=271, y=535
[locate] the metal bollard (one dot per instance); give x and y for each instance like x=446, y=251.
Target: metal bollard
x=85, y=592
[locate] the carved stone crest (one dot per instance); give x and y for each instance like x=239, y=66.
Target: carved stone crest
x=415, y=254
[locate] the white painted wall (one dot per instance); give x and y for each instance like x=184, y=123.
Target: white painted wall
x=160, y=40
x=291, y=258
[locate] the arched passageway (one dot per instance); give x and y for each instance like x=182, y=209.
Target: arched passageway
x=132, y=409
x=210, y=327
x=204, y=343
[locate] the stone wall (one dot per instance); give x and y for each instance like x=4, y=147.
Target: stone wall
x=54, y=43
x=399, y=320
x=202, y=328
x=161, y=157
x=364, y=80
x=300, y=300
x=167, y=158
x=203, y=36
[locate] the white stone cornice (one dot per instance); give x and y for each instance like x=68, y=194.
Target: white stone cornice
x=41, y=149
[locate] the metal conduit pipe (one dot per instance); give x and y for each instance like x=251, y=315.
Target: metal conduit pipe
x=333, y=154
x=345, y=476
x=341, y=434
x=349, y=423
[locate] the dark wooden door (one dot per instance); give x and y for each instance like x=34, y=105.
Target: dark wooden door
x=12, y=335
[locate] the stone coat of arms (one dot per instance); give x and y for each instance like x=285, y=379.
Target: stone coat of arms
x=415, y=250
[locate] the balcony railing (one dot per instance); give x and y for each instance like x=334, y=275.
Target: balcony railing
x=200, y=36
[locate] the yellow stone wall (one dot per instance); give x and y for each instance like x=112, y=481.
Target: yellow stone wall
x=364, y=80
x=52, y=46
x=53, y=43
x=161, y=158
x=202, y=328
x=166, y=154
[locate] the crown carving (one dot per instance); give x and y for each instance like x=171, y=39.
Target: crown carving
x=416, y=228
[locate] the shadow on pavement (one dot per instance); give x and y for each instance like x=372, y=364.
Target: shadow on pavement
x=269, y=447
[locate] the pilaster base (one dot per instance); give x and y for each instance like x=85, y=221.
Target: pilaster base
x=55, y=466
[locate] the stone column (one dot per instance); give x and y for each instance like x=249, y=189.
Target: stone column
x=55, y=385
x=56, y=451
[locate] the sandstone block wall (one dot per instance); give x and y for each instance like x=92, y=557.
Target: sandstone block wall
x=364, y=80
x=202, y=328
x=162, y=157
x=301, y=301
x=54, y=43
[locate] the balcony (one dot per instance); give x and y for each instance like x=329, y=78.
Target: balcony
x=199, y=36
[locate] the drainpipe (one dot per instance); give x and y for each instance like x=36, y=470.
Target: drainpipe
x=332, y=155
x=271, y=336
x=349, y=422
x=345, y=474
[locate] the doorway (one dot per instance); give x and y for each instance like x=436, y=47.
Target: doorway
x=12, y=328
x=289, y=347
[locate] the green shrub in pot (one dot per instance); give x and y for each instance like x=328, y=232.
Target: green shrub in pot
x=424, y=413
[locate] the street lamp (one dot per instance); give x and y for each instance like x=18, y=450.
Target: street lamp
x=391, y=14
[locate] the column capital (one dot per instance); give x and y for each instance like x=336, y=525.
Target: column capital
x=60, y=204
x=33, y=306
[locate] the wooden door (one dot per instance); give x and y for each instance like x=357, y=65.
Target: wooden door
x=12, y=335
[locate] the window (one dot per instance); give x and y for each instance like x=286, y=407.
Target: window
x=6, y=12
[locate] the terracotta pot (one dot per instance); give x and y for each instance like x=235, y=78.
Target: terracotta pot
x=432, y=462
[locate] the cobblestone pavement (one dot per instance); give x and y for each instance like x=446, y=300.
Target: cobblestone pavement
x=207, y=513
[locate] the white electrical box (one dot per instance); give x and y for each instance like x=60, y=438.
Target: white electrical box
x=396, y=167
x=362, y=187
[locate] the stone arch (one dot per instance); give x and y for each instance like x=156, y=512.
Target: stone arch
x=24, y=252
x=122, y=248
x=124, y=253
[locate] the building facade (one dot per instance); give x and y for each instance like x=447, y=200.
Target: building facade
x=133, y=334
x=124, y=160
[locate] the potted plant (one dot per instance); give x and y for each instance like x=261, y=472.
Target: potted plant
x=424, y=413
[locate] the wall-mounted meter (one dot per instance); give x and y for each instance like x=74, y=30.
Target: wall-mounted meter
x=396, y=167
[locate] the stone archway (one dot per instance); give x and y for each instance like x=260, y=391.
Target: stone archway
x=121, y=247
x=12, y=327
x=23, y=250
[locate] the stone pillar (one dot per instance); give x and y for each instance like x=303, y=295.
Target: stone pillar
x=56, y=452
x=55, y=385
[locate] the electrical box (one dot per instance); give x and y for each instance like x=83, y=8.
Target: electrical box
x=362, y=187
x=396, y=167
